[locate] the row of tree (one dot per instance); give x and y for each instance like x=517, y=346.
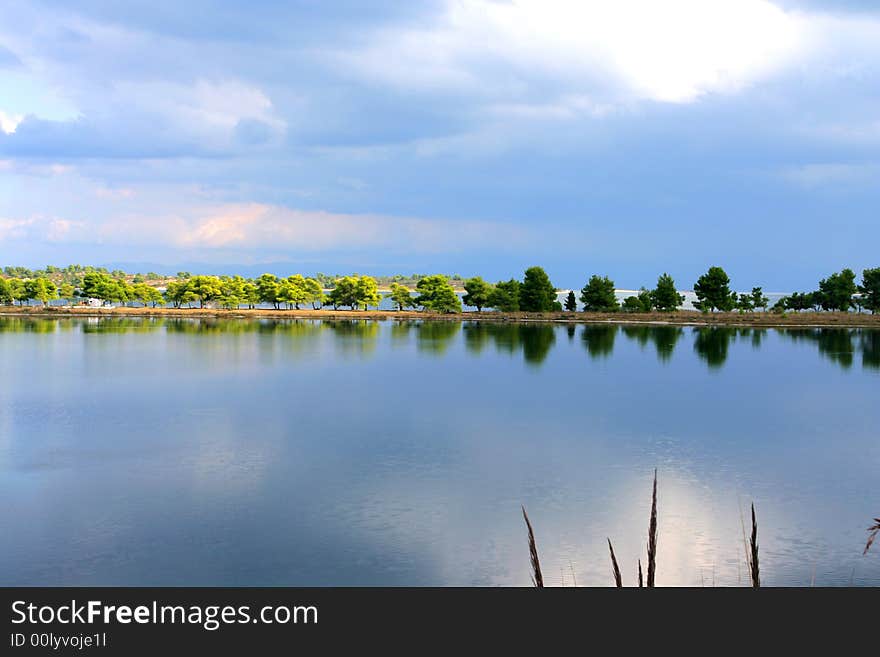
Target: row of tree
x=839, y=292
x=535, y=293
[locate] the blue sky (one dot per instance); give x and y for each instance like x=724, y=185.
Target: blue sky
x=464, y=136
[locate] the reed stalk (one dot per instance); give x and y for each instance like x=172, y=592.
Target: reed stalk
x=754, y=567
x=615, y=569
x=874, y=530
x=652, y=536
x=537, y=577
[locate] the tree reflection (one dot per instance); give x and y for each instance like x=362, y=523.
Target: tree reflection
x=476, y=336
x=599, y=339
x=537, y=340
x=641, y=333
x=870, y=344
x=837, y=345
x=534, y=340
x=712, y=342
x=665, y=338
x=354, y=336
x=20, y=325
x=400, y=331
x=435, y=337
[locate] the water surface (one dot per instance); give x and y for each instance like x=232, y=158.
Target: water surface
x=187, y=452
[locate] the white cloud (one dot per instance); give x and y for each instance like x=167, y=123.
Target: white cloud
x=832, y=173
x=671, y=51
x=203, y=106
x=9, y=122
x=243, y=227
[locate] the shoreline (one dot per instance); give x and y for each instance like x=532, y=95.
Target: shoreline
x=678, y=318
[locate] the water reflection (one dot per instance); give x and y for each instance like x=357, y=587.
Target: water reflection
x=711, y=343
x=245, y=452
x=870, y=345
x=664, y=338
x=599, y=340
x=355, y=337
x=533, y=341
x=435, y=337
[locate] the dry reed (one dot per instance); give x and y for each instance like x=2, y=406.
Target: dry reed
x=537, y=577
x=615, y=569
x=874, y=530
x=754, y=567
x=652, y=536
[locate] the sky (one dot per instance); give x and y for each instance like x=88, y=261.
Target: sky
x=461, y=136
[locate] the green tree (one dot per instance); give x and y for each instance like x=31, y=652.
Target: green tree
x=400, y=296
x=435, y=293
x=267, y=285
x=759, y=300
x=5, y=292
x=366, y=291
x=251, y=294
x=665, y=296
x=232, y=292
x=631, y=305
x=154, y=297
x=292, y=291
x=16, y=289
x=41, y=289
x=179, y=294
x=598, y=295
x=537, y=294
x=67, y=292
x=477, y=293
x=641, y=303
x=713, y=291
x=205, y=289
x=646, y=300
x=744, y=303
x=343, y=293
x=836, y=291
x=504, y=297
x=571, y=302
x=870, y=289
x=314, y=292
x=147, y=294
x=798, y=301
x=97, y=286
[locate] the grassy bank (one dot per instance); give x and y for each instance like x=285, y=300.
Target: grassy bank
x=681, y=317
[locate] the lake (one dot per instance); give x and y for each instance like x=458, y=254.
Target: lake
x=245, y=452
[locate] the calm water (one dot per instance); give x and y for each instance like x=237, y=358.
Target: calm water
x=320, y=453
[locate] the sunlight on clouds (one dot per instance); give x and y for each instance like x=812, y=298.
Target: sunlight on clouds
x=673, y=51
x=254, y=226
x=9, y=122
x=207, y=108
